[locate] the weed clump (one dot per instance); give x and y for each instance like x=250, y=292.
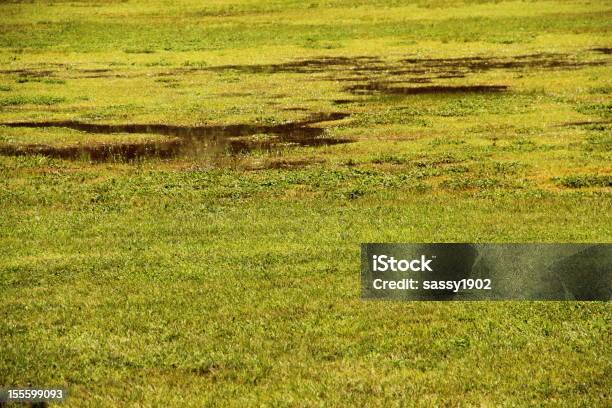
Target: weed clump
x=31, y=100
x=390, y=159
x=585, y=180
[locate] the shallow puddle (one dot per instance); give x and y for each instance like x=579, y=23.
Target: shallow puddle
x=97, y=152
x=185, y=140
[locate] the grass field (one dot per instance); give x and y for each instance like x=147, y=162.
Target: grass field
x=184, y=187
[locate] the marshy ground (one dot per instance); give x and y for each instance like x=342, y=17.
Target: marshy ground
x=184, y=188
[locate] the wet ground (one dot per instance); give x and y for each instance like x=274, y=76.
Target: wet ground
x=360, y=76
x=183, y=141
x=372, y=75
x=374, y=87
x=358, y=68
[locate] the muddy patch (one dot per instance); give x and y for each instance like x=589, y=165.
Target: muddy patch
x=465, y=65
x=344, y=101
x=586, y=123
x=378, y=87
x=184, y=140
x=98, y=73
x=308, y=66
x=295, y=109
x=98, y=152
x=369, y=75
x=354, y=68
x=358, y=68
x=603, y=50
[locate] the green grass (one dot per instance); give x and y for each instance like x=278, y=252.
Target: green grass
x=61, y=137
x=30, y=100
x=223, y=279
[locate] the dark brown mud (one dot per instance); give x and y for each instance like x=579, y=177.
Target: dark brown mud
x=364, y=65
x=374, y=87
x=462, y=65
x=369, y=75
x=344, y=101
x=360, y=68
x=603, y=50
x=443, y=67
x=185, y=141
x=97, y=153
x=308, y=66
